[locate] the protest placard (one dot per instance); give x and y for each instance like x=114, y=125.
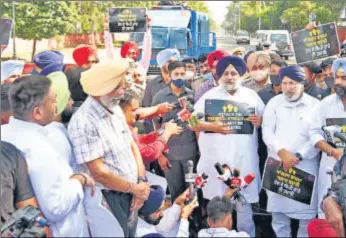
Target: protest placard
x=294, y=183
x=124, y=20
x=234, y=114
x=318, y=43
x=342, y=123
x=5, y=30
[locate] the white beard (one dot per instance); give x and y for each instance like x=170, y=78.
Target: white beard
x=298, y=94
x=231, y=87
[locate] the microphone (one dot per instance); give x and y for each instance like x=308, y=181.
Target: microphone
x=248, y=179
x=199, y=183
x=193, y=120
x=333, y=132
x=190, y=176
x=225, y=174
x=184, y=115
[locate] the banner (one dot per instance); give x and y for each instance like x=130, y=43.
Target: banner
x=319, y=43
x=235, y=114
x=295, y=183
x=124, y=20
x=5, y=30
x=340, y=122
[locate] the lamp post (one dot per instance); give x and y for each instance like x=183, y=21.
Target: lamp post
x=14, y=54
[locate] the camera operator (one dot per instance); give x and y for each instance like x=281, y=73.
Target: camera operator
x=16, y=190
x=153, y=144
x=220, y=217
x=155, y=217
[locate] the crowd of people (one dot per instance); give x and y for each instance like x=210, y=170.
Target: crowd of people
x=100, y=150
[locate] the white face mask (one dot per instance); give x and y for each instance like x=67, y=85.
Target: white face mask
x=259, y=75
x=189, y=75
x=292, y=97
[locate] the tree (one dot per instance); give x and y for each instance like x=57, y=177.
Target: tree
x=40, y=20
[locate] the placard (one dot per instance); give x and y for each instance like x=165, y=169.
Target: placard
x=342, y=123
x=319, y=43
x=5, y=30
x=125, y=20
x=294, y=183
x=235, y=114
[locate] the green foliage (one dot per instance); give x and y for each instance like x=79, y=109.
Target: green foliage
x=40, y=20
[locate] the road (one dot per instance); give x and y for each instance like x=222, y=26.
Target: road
x=228, y=43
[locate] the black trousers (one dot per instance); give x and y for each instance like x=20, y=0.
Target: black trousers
x=120, y=204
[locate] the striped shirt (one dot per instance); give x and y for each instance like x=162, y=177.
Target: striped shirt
x=97, y=133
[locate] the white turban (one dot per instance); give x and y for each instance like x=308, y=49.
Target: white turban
x=10, y=68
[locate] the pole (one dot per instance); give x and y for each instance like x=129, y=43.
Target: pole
x=14, y=54
x=239, y=15
x=259, y=19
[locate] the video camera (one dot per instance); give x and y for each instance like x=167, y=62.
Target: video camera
x=22, y=223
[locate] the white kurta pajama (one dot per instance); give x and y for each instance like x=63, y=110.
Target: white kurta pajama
x=235, y=150
x=286, y=126
x=329, y=107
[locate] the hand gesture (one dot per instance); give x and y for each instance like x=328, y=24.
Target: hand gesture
x=188, y=209
x=220, y=128
x=334, y=216
x=182, y=197
x=255, y=120
x=288, y=159
x=136, y=203
x=164, y=163
x=164, y=108
x=141, y=190
x=173, y=129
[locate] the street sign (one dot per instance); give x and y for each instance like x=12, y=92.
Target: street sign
x=5, y=30
x=318, y=43
x=125, y=20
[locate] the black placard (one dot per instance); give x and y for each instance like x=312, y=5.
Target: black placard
x=235, y=114
x=294, y=183
x=5, y=30
x=123, y=20
x=340, y=122
x=319, y=43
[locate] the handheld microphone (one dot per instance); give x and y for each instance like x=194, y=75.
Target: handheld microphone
x=248, y=179
x=199, y=183
x=193, y=120
x=224, y=172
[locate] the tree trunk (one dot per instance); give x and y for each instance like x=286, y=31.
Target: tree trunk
x=33, y=50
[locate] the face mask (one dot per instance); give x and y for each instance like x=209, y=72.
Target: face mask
x=259, y=75
x=208, y=76
x=189, y=75
x=329, y=82
x=340, y=90
x=179, y=83
x=296, y=96
x=275, y=79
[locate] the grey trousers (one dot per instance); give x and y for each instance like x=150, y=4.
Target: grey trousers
x=175, y=177
x=120, y=204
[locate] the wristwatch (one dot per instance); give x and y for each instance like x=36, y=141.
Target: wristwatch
x=142, y=179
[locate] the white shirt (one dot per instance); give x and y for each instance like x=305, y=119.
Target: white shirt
x=59, y=197
x=102, y=222
x=329, y=107
x=221, y=232
x=169, y=226
x=235, y=150
x=286, y=126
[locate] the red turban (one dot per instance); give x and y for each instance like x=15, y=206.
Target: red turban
x=216, y=55
x=127, y=46
x=82, y=53
x=321, y=228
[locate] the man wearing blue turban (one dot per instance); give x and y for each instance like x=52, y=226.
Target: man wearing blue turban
x=285, y=131
x=48, y=61
x=331, y=112
x=225, y=146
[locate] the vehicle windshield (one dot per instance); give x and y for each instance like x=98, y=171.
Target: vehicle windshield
x=278, y=37
x=169, y=18
x=243, y=33
x=260, y=36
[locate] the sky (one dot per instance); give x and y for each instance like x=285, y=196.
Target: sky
x=218, y=10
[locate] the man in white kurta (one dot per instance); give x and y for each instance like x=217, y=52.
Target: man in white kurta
x=235, y=150
x=331, y=111
x=285, y=128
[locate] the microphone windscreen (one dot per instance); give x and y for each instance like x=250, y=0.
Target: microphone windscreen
x=249, y=178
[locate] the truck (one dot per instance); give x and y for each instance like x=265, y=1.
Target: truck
x=180, y=28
